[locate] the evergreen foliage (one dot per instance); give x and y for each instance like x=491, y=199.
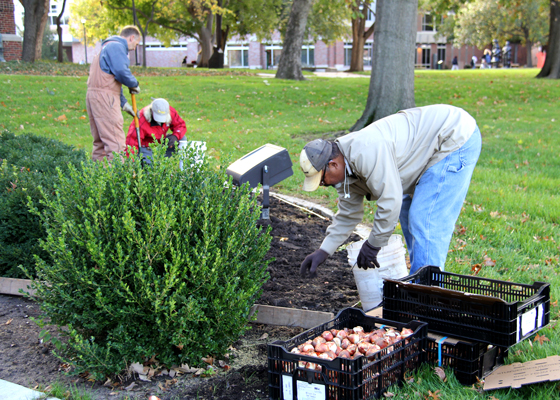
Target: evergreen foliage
x=149, y=262
x=27, y=163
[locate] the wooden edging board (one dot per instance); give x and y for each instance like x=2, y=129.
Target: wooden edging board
x=266, y=314
x=12, y=286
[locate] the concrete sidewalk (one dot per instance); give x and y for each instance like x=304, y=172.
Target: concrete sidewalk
x=323, y=75
x=11, y=391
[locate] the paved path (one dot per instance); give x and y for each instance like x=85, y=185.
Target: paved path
x=324, y=75
x=11, y=391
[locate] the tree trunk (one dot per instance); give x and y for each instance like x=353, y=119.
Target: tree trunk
x=551, y=67
x=391, y=87
x=205, y=40
x=289, y=66
x=529, y=47
x=359, y=35
x=60, y=55
x=217, y=58
x=358, y=40
x=35, y=19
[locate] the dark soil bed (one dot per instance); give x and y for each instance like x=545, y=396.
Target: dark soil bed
x=25, y=360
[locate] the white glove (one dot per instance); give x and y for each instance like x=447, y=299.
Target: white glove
x=128, y=108
x=134, y=90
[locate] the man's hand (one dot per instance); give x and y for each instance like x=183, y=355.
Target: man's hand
x=128, y=108
x=368, y=256
x=312, y=261
x=134, y=90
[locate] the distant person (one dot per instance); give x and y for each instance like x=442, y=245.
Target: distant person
x=485, y=60
x=474, y=59
x=184, y=62
x=109, y=70
x=454, y=63
x=155, y=121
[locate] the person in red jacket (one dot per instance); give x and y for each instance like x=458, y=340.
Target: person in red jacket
x=155, y=121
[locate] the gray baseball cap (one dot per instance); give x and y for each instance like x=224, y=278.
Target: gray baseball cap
x=313, y=159
x=160, y=110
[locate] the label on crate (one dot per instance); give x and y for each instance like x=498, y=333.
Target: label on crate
x=305, y=391
x=528, y=322
x=541, y=316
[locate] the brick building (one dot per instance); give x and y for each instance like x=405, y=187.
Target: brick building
x=432, y=52
x=11, y=42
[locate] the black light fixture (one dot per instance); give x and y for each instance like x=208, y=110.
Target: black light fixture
x=267, y=165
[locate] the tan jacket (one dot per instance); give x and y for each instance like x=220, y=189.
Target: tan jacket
x=387, y=158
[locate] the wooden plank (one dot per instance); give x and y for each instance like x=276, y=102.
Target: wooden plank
x=12, y=286
x=290, y=316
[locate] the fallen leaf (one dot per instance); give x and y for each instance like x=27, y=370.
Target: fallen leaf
x=434, y=395
x=83, y=117
x=180, y=346
x=170, y=382
x=8, y=322
x=136, y=367
x=153, y=398
x=208, y=360
x=200, y=371
x=108, y=383
x=144, y=378
x=494, y=214
x=541, y=339
x=264, y=336
x=129, y=387
x=476, y=268
x=440, y=373
x=4, y=104
x=388, y=394
x=488, y=262
x=61, y=118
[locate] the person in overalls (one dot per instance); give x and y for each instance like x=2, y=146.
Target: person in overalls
x=104, y=99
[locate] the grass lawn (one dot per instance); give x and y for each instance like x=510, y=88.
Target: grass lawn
x=508, y=229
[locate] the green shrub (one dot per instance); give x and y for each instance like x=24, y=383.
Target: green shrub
x=149, y=262
x=27, y=162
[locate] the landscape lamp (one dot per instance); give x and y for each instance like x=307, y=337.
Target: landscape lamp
x=267, y=165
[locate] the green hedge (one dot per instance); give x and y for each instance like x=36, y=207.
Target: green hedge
x=149, y=262
x=27, y=163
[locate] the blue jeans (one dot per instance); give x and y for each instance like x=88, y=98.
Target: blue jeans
x=428, y=218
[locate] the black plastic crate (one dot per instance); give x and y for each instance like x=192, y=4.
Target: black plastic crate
x=468, y=307
x=344, y=379
x=470, y=361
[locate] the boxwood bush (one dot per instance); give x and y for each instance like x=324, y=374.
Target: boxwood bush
x=149, y=262
x=27, y=163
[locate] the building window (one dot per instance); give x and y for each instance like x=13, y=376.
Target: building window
x=370, y=14
x=63, y=21
x=431, y=22
x=428, y=23
x=307, y=56
x=237, y=56
x=441, y=54
x=273, y=53
x=426, y=53
x=368, y=52
x=160, y=46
